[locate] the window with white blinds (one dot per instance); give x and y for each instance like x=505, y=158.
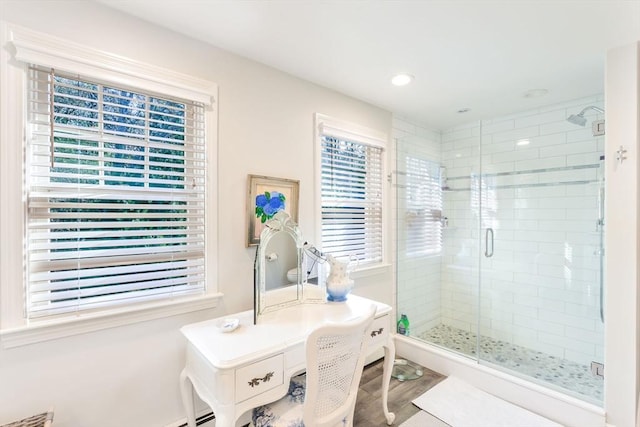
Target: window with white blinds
x=351, y=194
x=423, y=207
x=115, y=189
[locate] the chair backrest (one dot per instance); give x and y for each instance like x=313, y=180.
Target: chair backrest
x=335, y=359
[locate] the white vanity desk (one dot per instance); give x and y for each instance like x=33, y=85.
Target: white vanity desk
x=236, y=371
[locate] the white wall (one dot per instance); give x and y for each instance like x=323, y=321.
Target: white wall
x=128, y=376
x=622, y=103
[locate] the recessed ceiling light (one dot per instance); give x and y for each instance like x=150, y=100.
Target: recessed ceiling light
x=523, y=142
x=535, y=93
x=402, y=79
x=464, y=110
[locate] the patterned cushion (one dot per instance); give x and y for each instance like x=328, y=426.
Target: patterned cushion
x=286, y=412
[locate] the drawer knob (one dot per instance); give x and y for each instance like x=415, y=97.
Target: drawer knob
x=256, y=381
x=376, y=332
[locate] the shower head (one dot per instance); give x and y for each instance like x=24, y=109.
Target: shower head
x=578, y=119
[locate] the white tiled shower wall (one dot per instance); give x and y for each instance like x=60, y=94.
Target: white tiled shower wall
x=541, y=288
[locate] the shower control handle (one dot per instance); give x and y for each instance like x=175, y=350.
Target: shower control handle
x=488, y=235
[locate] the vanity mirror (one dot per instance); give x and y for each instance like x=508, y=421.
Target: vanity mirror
x=280, y=271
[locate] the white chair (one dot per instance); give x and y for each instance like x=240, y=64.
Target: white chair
x=335, y=356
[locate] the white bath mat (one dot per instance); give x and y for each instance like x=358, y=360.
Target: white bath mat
x=461, y=405
x=423, y=419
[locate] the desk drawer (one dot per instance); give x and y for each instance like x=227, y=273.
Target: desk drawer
x=259, y=377
x=379, y=331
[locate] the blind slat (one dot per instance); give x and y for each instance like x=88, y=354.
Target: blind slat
x=95, y=287
x=107, y=301
x=97, y=262
x=147, y=225
x=115, y=270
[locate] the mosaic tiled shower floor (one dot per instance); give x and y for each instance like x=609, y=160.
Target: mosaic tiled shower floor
x=560, y=372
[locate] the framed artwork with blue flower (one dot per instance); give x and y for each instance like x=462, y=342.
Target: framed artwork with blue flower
x=266, y=197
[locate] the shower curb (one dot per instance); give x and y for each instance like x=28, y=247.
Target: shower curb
x=551, y=404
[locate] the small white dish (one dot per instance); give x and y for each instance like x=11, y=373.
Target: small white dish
x=228, y=324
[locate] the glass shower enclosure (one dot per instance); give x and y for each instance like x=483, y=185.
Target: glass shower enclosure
x=500, y=243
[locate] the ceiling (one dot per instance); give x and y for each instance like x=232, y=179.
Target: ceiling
x=480, y=55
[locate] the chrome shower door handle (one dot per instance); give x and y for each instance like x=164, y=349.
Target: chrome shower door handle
x=488, y=235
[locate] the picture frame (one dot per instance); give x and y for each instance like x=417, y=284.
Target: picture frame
x=285, y=198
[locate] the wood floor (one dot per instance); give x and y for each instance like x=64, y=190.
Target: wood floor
x=369, y=404
x=401, y=393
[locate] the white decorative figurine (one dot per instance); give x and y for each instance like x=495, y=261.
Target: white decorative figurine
x=338, y=282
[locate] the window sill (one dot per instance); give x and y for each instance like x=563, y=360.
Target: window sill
x=370, y=271
x=54, y=329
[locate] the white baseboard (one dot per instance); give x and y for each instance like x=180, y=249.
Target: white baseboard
x=202, y=414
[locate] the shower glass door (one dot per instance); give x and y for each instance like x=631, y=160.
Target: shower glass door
x=437, y=238
x=541, y=226
x=499, y=244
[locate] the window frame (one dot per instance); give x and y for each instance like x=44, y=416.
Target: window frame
x=27, y=47
x=323, y=125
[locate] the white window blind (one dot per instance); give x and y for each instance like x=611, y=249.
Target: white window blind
x=351, y=194
x=115, y=186
x=423, y=207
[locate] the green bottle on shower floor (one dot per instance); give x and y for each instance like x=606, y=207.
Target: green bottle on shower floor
x=403, y=325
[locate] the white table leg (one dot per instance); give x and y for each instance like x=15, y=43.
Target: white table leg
x=224, y=420
x=186, y=390
x=387, y=367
